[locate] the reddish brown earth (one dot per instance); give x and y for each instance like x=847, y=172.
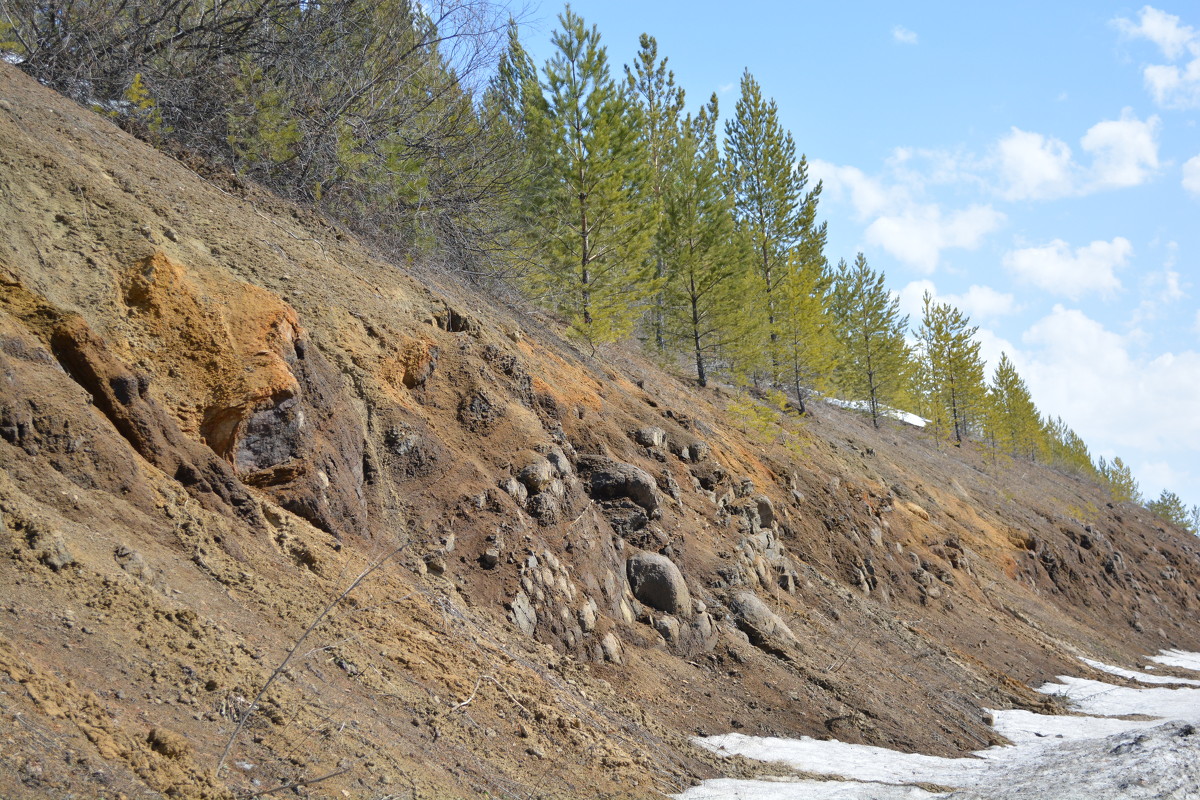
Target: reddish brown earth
x=217, y=412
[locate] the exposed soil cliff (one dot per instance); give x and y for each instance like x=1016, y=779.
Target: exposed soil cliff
x=217, y=413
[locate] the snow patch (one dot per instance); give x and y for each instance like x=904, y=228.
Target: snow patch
x=1178, y=658
x=1098, y=756
x=1106, y=700
x=894, y=413
x=1141, y=677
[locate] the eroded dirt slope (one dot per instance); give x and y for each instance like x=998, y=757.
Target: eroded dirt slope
x=217, y=414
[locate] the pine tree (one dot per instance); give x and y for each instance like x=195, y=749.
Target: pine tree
x=952, y=368
x=707, y=278
x=1014, y=420
x=1171, y=508
x=1120, y=481
x=807, y=345
x=875, y=362
x=1066, y=449
x=583, y=201
x=772, y=202
x=659, y=102
x=515, y=85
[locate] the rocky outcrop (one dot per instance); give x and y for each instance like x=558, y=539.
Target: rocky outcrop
x=243, y=375
x=122, y=396
x=609, y=479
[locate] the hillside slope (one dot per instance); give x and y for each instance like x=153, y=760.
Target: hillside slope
x=218, y=414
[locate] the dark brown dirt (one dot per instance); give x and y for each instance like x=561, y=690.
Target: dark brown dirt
x=217, y=412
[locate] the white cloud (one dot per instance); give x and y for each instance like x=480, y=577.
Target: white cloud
x=1154, y=476
x=984, y=302
x=1055, y=268
x=1159, y=289
x=978, y=302
x=868, y=195
x=918, y=234
x=911, y=301
x=1171, y=85
x=1124, y=151
x=1035, y=167
x=912, y=231
x=1113, y=398
x=903, y=35
x=1161, y=28
x=1191, y=175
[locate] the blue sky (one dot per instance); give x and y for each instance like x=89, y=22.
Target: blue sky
x=1037, y=166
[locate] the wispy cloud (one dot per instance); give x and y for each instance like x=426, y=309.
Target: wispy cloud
x=1058, y=269
x=1175, y=84
x=1191, y=175
x=903, y=35
x=901, y=223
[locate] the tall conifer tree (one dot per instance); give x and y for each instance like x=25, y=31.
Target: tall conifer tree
x=875, y=362
x=1119, y=478
x=707, y=280
x=659, y=102
x=772, y=201
x=1014, y=420
x=582, y=203
x=952, y=366
x=807, y=345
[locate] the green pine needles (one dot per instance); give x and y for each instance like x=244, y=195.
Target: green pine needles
x=583, y=199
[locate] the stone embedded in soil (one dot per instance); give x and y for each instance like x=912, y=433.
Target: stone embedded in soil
x=613, y=480
x=766, y=510
x=523, y=613
x=764, y=627
x=537, y=474
x=610, y=648
x=657, y=582
x=668, y=627
x=650, y=436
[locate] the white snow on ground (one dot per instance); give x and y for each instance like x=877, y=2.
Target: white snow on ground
x=1026, y=727
x=1096, y=757
x=1178, y=658
x=1140, y=676
x=854, y=761
x=894, y=413
x=1106, y=700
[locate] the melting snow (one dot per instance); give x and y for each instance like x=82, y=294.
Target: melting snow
x=1142, y=676
x=894, y=413
x=1097, y=756
x=1178, y=658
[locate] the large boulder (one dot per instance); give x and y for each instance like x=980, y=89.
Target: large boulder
x=657, y=582
x=609, y=479
x=764, y=627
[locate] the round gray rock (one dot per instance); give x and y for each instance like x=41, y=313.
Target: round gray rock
x=761, y=624
x=657, y=582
